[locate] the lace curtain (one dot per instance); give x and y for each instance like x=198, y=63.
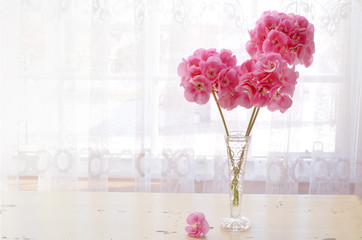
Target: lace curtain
x=90, y=98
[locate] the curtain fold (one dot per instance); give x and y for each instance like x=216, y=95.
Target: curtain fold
x=90, y=99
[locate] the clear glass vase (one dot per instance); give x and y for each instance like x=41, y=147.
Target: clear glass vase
x=237, y=148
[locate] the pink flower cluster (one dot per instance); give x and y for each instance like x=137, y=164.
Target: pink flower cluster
x=292, y=36
x=278, y=43
x=267, y=81
x=206, y=71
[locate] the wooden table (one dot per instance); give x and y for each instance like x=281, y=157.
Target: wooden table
x=106, y=216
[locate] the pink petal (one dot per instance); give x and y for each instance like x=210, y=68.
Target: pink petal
x=285, y=102
x=190, y=230
x=228, y=100
x=205, y=228
x=195, y=217
x=182, y=68
x=260, y=100
x=194, y=61
x=194, y=71
x=244, y=101
x=190, y=94
x=251, y=48
x=202, y=98
x=228, y=58
x=273, y=106
x=248, y=66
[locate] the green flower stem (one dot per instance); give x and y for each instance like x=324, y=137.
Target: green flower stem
x=222, y=115
x=234, y=182
x=222, y=118
x=252, y=121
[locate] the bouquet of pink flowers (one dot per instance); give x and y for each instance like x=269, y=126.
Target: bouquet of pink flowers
x=278, y=43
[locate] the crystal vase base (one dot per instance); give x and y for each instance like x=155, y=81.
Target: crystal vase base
x=235, y=224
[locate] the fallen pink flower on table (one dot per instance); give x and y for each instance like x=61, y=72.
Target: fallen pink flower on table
x=198, y=225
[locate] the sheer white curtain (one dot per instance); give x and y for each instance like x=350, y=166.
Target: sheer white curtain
x=90, y=98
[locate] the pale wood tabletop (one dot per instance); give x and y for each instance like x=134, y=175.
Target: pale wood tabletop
x=106, y=216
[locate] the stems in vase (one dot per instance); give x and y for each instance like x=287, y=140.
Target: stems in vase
x=248, y=131
x=236, y=200
x=236, y=168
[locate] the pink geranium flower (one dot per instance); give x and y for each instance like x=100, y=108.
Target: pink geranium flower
x=280, y=101
x=228, y=58
x=285, y=26
x=248, y=66
x=261, y=97
x=198, y=90
x=227, y=80
x=252, y=48
x=275, y=42
x=182, y=68
x=269, y=63
x=204, y=54
x=246, y=91
x=288, y=76
x=211, y=67
x=198, y=225
x=228, y=100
